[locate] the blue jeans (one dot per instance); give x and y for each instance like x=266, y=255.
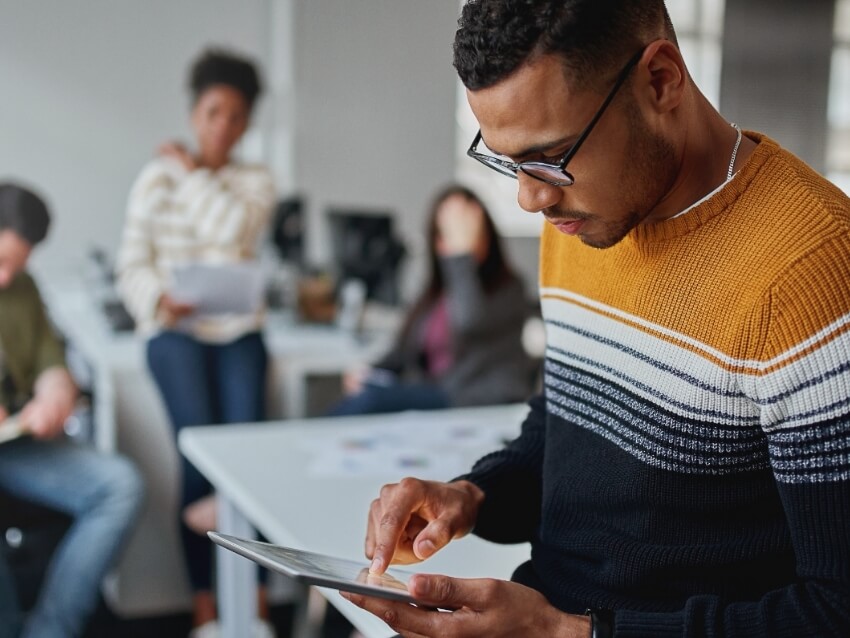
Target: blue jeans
x=396, y=397
x=206, y=384
x=103, y=494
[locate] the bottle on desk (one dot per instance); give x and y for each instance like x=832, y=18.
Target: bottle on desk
x=352, y=299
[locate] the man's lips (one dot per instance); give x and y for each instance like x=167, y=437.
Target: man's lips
x=568, y=226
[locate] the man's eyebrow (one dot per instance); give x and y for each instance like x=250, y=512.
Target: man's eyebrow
x=537, y=148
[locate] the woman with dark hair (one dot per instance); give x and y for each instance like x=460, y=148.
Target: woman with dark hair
x=460, y=344
x=199, y=206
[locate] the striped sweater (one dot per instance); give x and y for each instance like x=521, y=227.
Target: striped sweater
x=689, y=462
x=175, y=218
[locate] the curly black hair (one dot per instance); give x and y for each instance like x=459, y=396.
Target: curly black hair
x=593, y=37
x=217, y=66
x=23, y=212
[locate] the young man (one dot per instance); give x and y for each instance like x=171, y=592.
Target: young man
x=101, y=493
x=687, y=470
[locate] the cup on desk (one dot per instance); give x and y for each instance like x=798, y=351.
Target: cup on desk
x=316, y=299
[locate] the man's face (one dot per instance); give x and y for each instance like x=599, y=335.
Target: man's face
x=622, y=171
x=14, y=252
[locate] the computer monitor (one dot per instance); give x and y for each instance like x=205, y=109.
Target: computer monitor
x=365, y=248
x=288, y=230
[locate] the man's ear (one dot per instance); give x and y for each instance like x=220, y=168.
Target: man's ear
x=664, y=76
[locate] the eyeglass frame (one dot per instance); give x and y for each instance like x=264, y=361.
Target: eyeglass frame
x=510, y=169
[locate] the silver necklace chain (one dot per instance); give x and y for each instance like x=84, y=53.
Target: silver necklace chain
x=730, y=172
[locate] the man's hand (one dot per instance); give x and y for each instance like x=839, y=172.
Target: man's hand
x=413, y=519
x=483, y=607
x=55, y=397
x=170, y=311
x=177, y=151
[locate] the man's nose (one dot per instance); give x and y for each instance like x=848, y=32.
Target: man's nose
x=534, y=195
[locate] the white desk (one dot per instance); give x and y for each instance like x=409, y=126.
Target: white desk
x=282, y=480
x=130, y=418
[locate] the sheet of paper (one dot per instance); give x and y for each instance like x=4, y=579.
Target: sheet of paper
x=427, y=464
x=10, y=429
x=220, y=288
x=415, y=445
x=412, y=429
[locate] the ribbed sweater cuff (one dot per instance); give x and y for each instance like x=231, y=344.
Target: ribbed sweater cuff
x=635, y=624
x=483, y=479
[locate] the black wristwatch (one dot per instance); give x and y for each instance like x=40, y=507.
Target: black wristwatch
x=601, y=623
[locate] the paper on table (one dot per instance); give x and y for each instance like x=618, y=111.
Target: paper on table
x=400, y=462
x=10, y=428
x=424, y=449
x=412, y=429
x=220, y=288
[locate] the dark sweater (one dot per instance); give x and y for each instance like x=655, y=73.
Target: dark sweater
x=689, y=466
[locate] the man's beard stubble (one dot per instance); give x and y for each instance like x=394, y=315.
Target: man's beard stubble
x=650, y=171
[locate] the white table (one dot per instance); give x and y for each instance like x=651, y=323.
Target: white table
x=288, y=482
x=130, y=418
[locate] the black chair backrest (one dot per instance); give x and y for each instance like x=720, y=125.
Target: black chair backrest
x=29, y=533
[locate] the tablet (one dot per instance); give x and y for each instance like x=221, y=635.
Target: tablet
x=319, y=569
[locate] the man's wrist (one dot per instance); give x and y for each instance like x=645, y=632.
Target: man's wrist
x=476, y=494
x=562, y=625
x=601, y=623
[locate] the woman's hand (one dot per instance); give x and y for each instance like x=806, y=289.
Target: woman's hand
x=169, y=311
x=482, y=607
x=178, y=152
x=353, y=380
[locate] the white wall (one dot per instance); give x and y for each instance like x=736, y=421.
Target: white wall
x=374, y=106
x=90, y=88
x=359, y=110
x=776, y=77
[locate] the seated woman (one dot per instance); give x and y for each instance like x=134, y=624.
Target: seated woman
x=199, y=206
x=460, y=344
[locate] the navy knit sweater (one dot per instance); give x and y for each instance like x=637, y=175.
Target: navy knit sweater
x=688, y=465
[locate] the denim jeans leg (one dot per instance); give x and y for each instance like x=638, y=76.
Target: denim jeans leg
x=240, y=369
x=103, y=493
x=180, y=366
x=375, y=399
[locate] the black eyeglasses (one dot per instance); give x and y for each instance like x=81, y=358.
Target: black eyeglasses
x=554, y=174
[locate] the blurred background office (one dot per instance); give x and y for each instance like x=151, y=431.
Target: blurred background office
x=362, y=118
x=362, y=108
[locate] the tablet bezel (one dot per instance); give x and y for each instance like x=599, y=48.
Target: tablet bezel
x=251, y=550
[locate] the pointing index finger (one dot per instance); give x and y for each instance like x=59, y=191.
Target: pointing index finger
x=397, y=504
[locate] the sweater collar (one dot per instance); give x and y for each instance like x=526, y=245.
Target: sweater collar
x=720, y=201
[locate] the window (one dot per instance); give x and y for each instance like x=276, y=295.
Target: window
x=699, y=27
x=838, y=142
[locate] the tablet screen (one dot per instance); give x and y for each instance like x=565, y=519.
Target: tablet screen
x=320, y=569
